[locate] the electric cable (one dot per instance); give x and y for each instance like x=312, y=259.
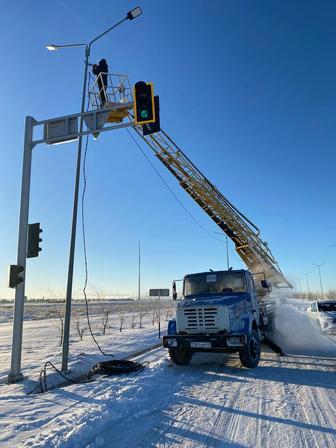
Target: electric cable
x=43, y=376
x=116, y=367
x=121, y=365
x=112, y=367
x=170, y=190
x=85, y=252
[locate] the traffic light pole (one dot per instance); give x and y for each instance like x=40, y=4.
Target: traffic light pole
x=15, y=372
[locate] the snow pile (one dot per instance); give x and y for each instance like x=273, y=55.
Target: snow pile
x=295, y=333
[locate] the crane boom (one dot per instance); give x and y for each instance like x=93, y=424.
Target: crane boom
x=244, y=234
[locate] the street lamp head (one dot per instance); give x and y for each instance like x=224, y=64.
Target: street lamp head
x=52, y=47
x=134, y=13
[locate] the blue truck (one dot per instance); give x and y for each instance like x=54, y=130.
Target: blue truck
x=219, y=312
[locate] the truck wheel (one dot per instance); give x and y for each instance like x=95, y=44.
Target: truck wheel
x=250, y=354
x=180, y=356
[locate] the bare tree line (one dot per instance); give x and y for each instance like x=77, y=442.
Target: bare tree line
x=328, y=295
x=124, y=316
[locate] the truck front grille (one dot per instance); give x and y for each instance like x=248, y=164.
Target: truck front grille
x=201, y=318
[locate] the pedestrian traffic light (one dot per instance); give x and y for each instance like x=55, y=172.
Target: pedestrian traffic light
x=144, y=109
x=14, y=278
x=33, y=246
x=152, y=128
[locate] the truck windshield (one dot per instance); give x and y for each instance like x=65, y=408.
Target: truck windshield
x=327, y=306
x=214, y=283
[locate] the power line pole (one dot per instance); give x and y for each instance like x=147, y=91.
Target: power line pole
x=319, y=271
x=299, y=280
x=306, y=275
x=227, y=249
x=139, y=274
x=227, y=252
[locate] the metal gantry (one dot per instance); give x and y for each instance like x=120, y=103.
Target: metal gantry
x=54, y=131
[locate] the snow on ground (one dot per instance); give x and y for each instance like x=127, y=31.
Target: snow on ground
x=288, y=401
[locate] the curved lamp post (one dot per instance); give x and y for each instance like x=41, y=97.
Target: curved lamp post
x=134, y=13
x=319, y=271
x=306, y=274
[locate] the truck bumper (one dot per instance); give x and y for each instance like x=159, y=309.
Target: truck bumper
x=205, y=343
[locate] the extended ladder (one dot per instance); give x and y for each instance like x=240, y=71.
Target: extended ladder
x=245, y=235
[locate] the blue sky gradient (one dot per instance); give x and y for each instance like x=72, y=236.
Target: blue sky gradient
x=247, y=89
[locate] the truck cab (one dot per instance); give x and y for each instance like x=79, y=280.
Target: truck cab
x=219, y=312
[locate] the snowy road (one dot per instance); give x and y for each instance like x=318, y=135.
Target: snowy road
x=287, y=401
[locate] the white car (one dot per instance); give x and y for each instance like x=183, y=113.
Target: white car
x=324, y=314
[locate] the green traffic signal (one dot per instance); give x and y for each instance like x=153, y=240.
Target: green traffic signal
x=144, y=111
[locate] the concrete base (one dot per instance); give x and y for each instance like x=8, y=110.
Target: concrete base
x=14, y=378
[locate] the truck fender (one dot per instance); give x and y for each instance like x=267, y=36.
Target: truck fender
x=253, y=325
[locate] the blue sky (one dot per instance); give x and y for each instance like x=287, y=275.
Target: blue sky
x=247, y=89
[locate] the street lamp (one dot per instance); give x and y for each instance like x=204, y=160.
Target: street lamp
x=139, y=255
x=227, y=249
x=319, y=270
x=306, y=275
x=134, y=13
x=52, y=47
x=300, y=288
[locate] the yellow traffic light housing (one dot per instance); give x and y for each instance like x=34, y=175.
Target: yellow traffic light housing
x=144, y=105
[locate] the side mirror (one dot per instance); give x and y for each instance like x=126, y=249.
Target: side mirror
x=174, y=291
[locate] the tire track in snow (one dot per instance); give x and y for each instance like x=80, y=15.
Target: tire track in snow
x=232, y=425
x=215, y=404
x=275, y=400
x=215, y=394
x=186, y=426
x=151, y=425
x=319, y=411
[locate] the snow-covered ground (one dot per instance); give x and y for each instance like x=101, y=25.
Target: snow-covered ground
x=288, y=401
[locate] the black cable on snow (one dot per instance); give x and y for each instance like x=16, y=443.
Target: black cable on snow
x=113, y=367
x=116, y=367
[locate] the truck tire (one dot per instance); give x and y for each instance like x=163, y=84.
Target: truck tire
x=180, y=356
x=250, y=354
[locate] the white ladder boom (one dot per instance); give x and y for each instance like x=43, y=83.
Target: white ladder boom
x=245, y=235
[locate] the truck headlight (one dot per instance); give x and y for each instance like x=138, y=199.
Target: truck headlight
x=172, y=342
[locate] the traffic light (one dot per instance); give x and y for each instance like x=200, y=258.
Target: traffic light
x=144, y=109
x=33, y=246
x=14, y=278
x=152, y=128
